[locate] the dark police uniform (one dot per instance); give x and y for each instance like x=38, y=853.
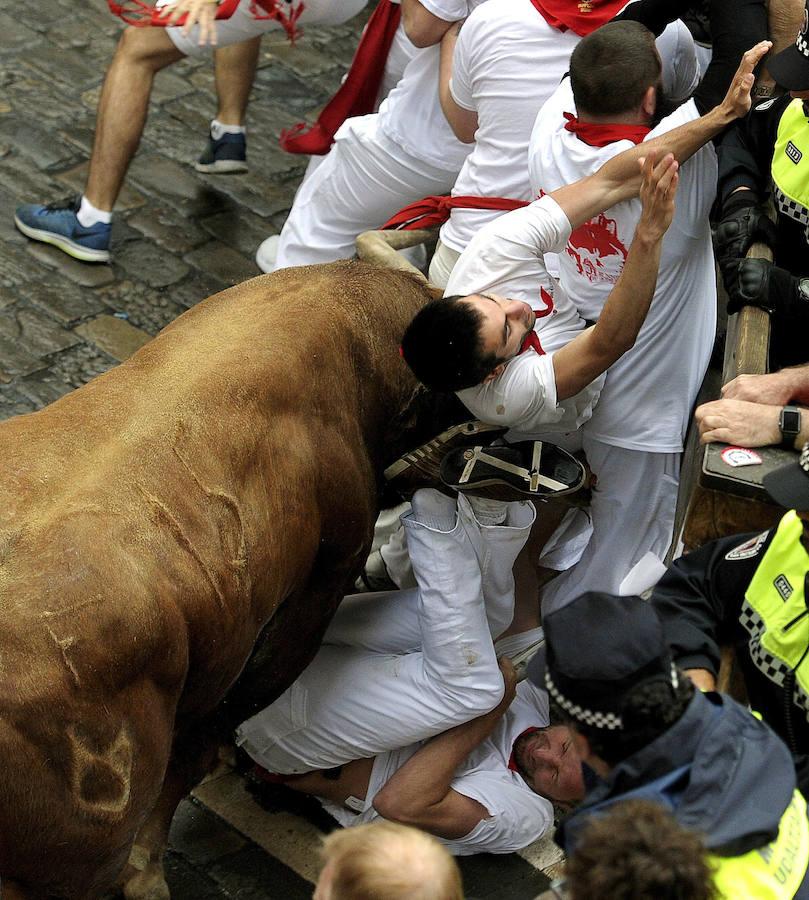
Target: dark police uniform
x=749, y=590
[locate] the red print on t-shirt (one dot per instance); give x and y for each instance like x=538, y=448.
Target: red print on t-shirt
x=591, y=245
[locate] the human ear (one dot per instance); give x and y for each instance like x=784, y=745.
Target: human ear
x=649, y=102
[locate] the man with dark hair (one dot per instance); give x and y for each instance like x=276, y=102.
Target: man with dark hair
x=528, y=390
x=624, y=58
x=749, y=590
x=633, y=442
x=645, y=732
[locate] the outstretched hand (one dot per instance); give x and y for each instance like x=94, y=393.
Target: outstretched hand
x=657, y=192
x=737, y=101
x=200, y=12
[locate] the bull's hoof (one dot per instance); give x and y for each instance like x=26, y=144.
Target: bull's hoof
x=150, y=884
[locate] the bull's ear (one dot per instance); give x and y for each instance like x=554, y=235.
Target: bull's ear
x=435, y=293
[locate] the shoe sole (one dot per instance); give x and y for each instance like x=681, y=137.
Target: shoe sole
x=500, y=479
x=63, y=243
x=467, y=429
x=222, y=167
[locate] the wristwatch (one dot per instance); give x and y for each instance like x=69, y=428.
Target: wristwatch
x=789, y=421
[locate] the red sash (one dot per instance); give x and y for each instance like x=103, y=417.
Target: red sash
x=580, y=17
x=598, y=134
x=357, y=95
x=436, y=210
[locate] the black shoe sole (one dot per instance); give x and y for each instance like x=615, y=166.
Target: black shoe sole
x=526, y=469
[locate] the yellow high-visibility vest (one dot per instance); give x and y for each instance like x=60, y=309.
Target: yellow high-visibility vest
x=790, y=164
x=774, y=611
x=772, y=872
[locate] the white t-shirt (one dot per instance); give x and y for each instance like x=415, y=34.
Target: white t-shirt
x=508, y=61
x=649, y=393
x=411, y=115
x=517, y=816
x=506, y=257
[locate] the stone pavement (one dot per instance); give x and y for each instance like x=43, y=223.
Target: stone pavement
x=178, y=236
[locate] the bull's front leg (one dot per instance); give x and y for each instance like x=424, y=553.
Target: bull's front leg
x=192, y=758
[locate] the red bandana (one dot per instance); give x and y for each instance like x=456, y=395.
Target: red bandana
x=357, y=95
x=600, y=135
x=580, y=17
x=531, y=340
x=432, y=211
x=512, y=760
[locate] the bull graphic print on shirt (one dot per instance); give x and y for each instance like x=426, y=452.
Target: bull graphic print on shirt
x=597, y=250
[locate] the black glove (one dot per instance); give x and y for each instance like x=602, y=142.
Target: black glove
x=739, y=228
x=758, y=282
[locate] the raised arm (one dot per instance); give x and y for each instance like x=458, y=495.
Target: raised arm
x=619, y=179
x=596, y=349
x=462, y=121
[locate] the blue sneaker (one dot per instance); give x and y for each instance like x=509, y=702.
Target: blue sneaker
x=223, y=155
x=57, y=224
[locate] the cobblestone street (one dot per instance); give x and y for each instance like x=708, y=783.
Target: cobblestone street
x=177, y=237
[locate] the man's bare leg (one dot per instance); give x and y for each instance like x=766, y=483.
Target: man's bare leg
x=141, y=53
x=351, y=781
x=234, y=70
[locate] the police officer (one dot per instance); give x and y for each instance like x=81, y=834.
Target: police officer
x=751, y=590
x=644, y=732
x=768, y=151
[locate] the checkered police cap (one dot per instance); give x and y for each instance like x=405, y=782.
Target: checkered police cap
x=599, y=648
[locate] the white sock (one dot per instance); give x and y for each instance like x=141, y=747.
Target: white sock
x=488, y=512
x=88, y=214
x=218, y=129
x=434, y=509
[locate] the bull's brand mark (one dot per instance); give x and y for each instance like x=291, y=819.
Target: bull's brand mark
x=793, y=153
x=596, y=249
x=783, y=587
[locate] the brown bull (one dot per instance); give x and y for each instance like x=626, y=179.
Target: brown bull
x=151, y=524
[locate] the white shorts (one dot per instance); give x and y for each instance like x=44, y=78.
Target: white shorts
x=242, y=25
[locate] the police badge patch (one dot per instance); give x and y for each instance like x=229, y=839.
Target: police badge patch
x=748, y=548
x=783, y=587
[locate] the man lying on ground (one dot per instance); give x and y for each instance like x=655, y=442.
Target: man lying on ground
x=406, y=712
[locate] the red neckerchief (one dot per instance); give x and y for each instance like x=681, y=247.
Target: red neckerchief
x=512, y=760
x=581, y=17
x=531, y=340
x=430, y=211
x=602, y=134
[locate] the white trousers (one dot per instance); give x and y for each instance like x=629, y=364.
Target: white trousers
x=400, y=667
x=243, y=25
x=364, y=179
x=632, y=513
